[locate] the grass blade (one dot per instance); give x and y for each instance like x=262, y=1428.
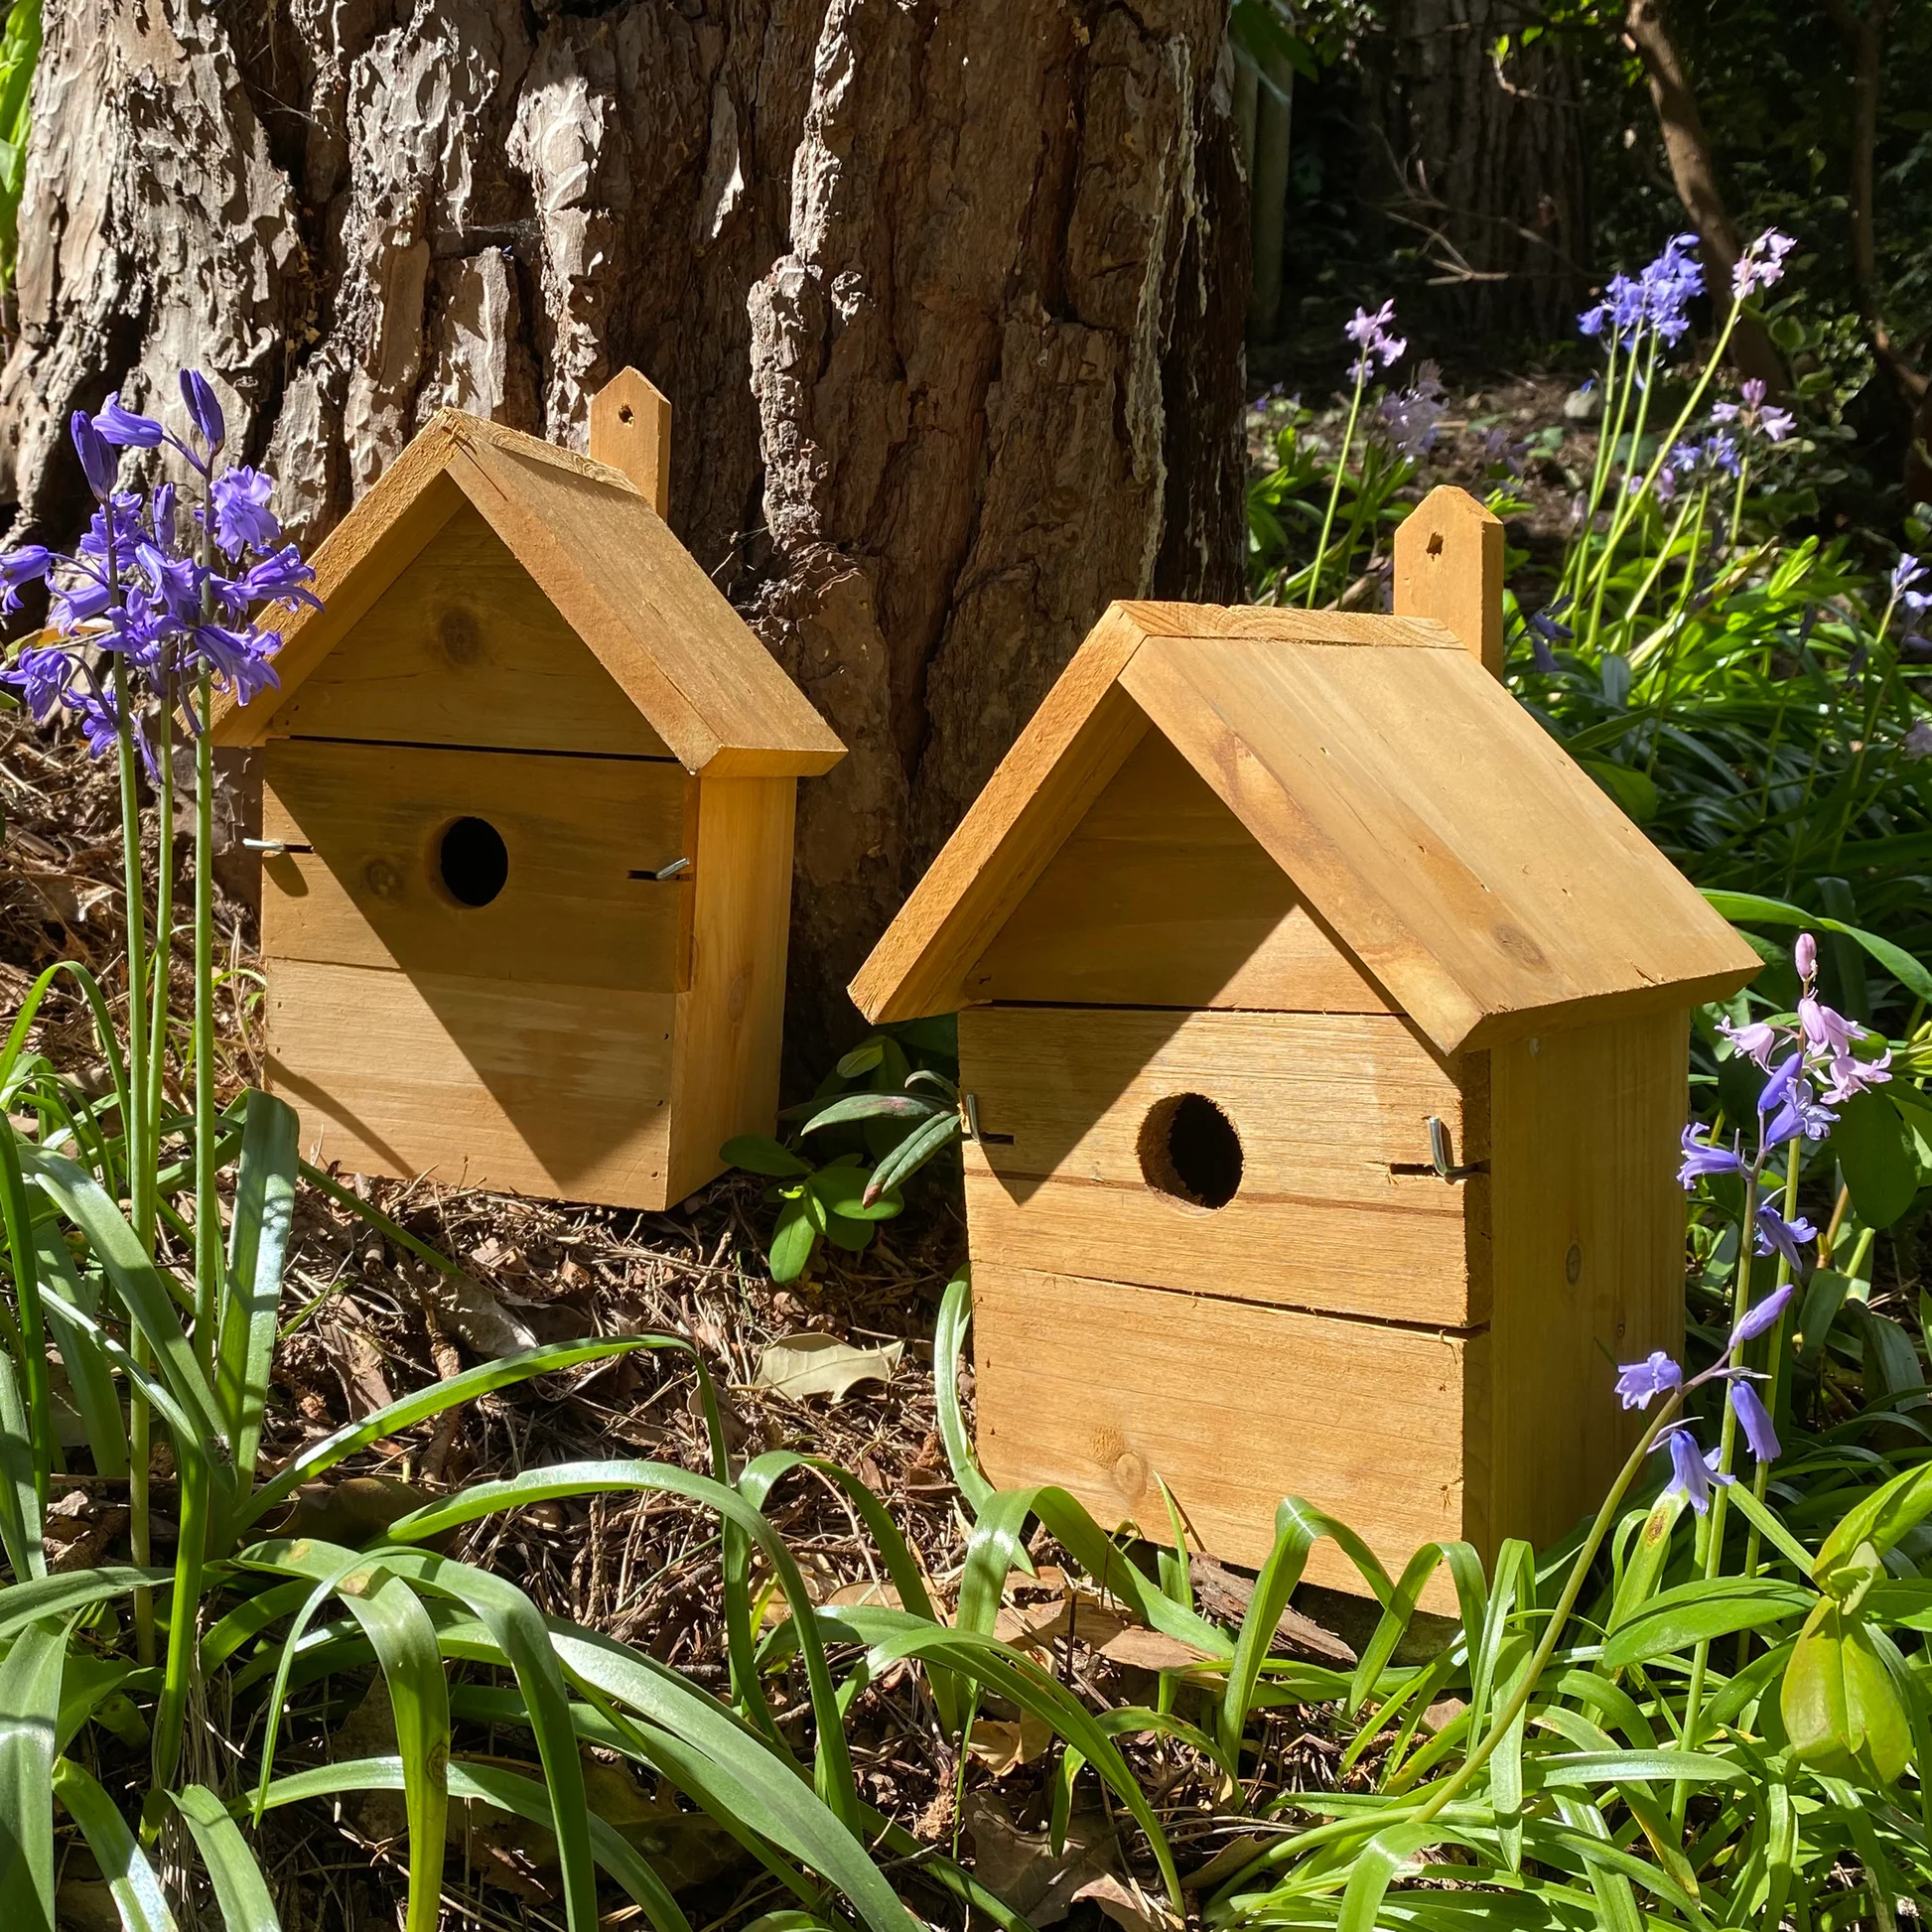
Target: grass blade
x=71, y=1590
x=948, y=1343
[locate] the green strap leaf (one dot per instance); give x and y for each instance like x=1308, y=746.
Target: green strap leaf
x=239, y=1887
x=1758, y=911
x=71, y=1589
x=948, y=1344
x=131, y=1880
x=30, y=1710
x=264, y=1209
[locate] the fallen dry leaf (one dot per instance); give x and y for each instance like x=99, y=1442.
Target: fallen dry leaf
x=1022, y=1868
x=1225, y=1862
x=1225, y=1594
x=1122, y=1640
x=472, y=1313
x=1127, y=1904
x=815, y=1364
x=1001, y=1745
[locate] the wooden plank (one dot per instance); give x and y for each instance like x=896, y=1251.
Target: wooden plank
x=1325, y=1106
x=1273, y=624
x=1448, y=565
x=557, y=1090
x=651, y=615
x=574, y=830
x=1059, y=765
x=631, y=429
x=1234, y=1407
x=730, y=1022
x=462, y=648
x=1588, y=1271
x=1477, y=873
x=1161, y=898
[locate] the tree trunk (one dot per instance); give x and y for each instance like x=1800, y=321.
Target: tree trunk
x=1480, y=164
x=947, y=296
x=1693, y=173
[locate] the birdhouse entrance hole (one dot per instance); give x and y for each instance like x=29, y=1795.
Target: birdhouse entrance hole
x=472, y=862
x=1190, y=1152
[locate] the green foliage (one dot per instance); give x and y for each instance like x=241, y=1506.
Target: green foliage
x=877, y=1119
x=20, y=48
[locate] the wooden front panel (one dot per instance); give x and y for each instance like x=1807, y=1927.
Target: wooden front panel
x=1100, y=1387
x=542, y=1089
x=370, y=892
x=1327, y=1108
x=1589, y=1254
x=1161, y=898
x=462, y=648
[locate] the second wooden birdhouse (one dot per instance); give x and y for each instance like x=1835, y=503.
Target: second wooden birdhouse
x=529, y=793
x=1323, y=1033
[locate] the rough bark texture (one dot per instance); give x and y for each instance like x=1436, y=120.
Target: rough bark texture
x=946, y=295
x=1481, y=167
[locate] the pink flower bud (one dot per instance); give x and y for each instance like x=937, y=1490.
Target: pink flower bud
x=1805, y=956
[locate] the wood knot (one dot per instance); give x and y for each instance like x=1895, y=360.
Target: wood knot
x=1518, y=944
x=382, y=879
x=1130, y=1475
x=460, y=635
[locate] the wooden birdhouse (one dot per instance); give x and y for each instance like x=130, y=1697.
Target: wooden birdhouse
x=1323, y=1033
x=529, y=789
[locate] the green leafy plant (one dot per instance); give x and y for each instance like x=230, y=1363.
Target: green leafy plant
x=879, y=1119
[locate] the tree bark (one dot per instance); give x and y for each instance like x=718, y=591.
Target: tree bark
x=1693, y=173
x=947, y=296
x=1482, y=163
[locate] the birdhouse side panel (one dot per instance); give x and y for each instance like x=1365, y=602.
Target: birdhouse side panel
x=493, y=864
x=476, y=1082
x=1162, y=896
x=1280, y=1157
x=464, y=648
x=1104, y=1387
x=730, y=1014
x=1588, y=1255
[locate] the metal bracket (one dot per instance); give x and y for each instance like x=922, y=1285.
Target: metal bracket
x=1441, y=1155
x=969, y=1114
x=674, y=870
x=274, y=848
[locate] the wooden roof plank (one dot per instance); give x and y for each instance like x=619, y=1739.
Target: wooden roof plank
x=1059, y=765
x=633, y=594
x=1473, y=867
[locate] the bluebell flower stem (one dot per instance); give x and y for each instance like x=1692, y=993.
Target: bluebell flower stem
x=1620, y=513
x=208, y=1206
x=1335, y=491
x=163, y=918
x=1606, y=442
x=1711, y=1531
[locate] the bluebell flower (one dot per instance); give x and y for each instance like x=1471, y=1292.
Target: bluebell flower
x=1761, y=263
x=1755, y=1421
x=1777, y=1234
x=98, y=461
x=1701, y=1158
x=1693, y=1473
x=1374, y=336
x=1799, y=1116
x=1757, y=1040
x=1638, y=1383
x=1905, y=572
x=125, y=429
x=1755, y=1322
x=26, y=565
x=242, y=518
x=203, y=408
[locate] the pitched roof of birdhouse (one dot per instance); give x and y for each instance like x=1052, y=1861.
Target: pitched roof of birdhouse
x=1478, y=874
x=598, y=552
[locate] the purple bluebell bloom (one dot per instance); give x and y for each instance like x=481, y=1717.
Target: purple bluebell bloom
x=1693, y=1473
x=1757, y=1040
x=1761, y=263
x=1799, y=1115
x=1804, y=956
x=1755, y=1421
x=1777, y=424
x=242, y=518
x=203, y=408
x=1701, y=1158
x=1758, y=1320
x=1639, y=1382
x=98, y=461
x=1851, y=1075
x=1777, y=1234
x=121, y=427
x=1374, y=336
x=26, y=565
x=1411, y=417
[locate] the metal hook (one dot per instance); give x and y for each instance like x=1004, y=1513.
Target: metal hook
x=1441, y=1155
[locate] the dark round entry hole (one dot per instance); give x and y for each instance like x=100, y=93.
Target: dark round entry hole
x=1190, y=1150
x=472, y=861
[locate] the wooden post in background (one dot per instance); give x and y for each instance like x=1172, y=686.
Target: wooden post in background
x=1448, y=565
x=631, y=429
